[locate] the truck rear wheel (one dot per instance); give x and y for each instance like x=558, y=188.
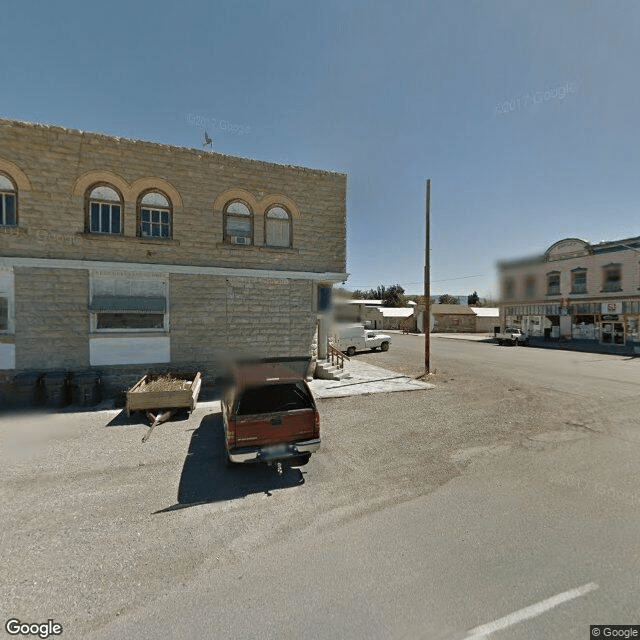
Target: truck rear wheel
x=351, y=351
x=384, y=346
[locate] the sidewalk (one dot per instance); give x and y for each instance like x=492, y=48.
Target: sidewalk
x=587, y=346
x=574, y=344
x=365, y=379
x=476, y=337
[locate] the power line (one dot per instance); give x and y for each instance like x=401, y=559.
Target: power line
x=478, y=275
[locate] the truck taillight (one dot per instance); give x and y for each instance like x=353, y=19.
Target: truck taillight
x=316, y=429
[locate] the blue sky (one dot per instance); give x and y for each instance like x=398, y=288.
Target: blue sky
x=524, y=114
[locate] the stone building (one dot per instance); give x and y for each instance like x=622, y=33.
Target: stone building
x=390, y=318
x=453, y=318
x=585, y=293
x=124, y=256
x=487, y=319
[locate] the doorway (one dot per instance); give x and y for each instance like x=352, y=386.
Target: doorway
x=612, y=333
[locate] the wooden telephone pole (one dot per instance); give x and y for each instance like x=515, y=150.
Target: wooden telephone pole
x=427, y=283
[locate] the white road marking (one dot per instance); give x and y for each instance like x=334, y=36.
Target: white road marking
x=481, y=632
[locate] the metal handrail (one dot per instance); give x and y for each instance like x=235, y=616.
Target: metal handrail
x=337, y=357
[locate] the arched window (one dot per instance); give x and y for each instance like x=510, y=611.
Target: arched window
x=238, y=223
x=277, y=230
x=104, y=210
x=8, y=208
x=154, y=215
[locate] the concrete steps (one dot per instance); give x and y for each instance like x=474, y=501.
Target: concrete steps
x=327, y=371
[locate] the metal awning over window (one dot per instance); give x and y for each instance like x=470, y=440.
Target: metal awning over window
x=128, y=303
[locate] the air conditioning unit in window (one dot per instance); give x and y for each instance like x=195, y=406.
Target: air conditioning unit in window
x=240, y=240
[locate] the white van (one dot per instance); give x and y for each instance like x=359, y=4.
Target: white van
x=357, y=338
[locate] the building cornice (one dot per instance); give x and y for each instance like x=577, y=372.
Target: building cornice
x=138, y=267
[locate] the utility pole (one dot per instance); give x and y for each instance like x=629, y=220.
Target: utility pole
x=427, y=282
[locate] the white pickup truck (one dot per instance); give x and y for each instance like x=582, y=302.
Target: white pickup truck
x=510, y=335
x=354, y=339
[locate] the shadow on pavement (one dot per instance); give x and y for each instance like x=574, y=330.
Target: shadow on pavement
x=207, y=478
x=123, y=419
x=138, y=418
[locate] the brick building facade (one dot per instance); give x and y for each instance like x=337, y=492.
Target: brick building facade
x=126, y=255
x=576, y=291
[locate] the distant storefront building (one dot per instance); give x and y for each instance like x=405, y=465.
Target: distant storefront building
x=586, y=293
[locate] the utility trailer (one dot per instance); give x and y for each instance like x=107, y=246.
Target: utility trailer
x=161, y=396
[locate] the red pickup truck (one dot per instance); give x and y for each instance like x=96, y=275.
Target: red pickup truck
x=270, y=414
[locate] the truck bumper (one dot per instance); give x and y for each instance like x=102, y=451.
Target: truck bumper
x=274, y=453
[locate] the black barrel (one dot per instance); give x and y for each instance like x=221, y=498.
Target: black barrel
x=85, y=388
x=27, y=389
x=56, y=388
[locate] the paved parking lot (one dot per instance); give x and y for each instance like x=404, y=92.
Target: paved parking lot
x=116, y=538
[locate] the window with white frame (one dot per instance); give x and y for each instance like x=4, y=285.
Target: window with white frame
x=553, y=283
x=612, y=277
x=104, y=213
x=277, y=227
x=8, y=209
x=154, y=215
x=579, y=281
x=129, y=302
x=6, y=302
x=238, y=223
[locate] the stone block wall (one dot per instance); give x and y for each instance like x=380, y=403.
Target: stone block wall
x=52, y=319
x=54, y=169
x=224, y=301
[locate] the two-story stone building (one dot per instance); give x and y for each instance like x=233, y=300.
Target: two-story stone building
x=123, y=255
x=577, y=291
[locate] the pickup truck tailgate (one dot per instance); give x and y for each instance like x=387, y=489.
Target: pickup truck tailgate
x=275, y=413
x=274, y=428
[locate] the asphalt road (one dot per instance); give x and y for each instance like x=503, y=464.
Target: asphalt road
x=503, y=503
